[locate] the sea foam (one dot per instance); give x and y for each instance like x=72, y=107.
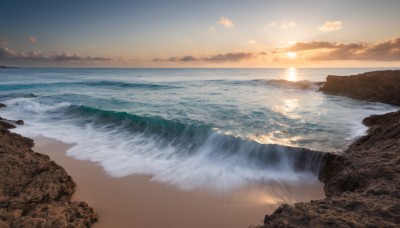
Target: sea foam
x=210, y=161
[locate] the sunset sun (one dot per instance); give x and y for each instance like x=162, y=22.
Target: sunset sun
x=292, y=55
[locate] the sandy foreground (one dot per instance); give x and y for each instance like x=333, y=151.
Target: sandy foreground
x=136, y=201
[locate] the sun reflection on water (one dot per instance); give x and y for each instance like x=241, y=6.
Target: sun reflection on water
x=291, y=74
x=288, y=107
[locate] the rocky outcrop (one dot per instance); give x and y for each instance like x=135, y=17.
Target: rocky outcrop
x=377, y=86
x=362, y=185
x=34, y=191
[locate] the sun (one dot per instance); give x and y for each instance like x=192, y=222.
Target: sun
x=292, y=55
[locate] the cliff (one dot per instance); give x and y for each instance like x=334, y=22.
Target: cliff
x=34, y=191
x=362, y=185
x=377, y=86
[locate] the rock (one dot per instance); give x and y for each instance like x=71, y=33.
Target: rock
x=362, y=185
x=377, y=86
x=2, y=105
x=6, y=124
x=35, y=191
x=19, y=122
x=9, y=124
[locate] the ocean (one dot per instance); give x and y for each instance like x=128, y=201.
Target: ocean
x=215, y=129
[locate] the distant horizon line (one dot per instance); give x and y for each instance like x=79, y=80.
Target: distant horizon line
x=55, y=67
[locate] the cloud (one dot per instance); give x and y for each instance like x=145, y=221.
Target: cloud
x=331, y=26
x=251, y=41
x=388, y=50
x=231, y=56
x=188, y=58
x=226, y=22
x=211, y=29
x=302, y=46
x=287, y=25
x=227, y=57
x=9, y=54
x=32, y=40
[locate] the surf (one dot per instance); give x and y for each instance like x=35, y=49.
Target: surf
x=186, y=155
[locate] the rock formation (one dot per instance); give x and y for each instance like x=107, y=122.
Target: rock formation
x=362, y=185
x=377, y=86
x=34, y=191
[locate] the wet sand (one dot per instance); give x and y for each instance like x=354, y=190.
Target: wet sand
x=136, y=201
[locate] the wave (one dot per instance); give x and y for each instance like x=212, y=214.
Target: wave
x=126, y=85
x=85, y=83
x=187, y=155
x=302, y=84
x=17, y=95
x=192, y=137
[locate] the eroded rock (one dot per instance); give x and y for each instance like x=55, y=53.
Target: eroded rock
x=377, y=86
x=35, y=191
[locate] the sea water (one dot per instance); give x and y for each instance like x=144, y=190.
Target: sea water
x=217, y=129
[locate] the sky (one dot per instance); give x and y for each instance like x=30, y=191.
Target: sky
x=193, y=33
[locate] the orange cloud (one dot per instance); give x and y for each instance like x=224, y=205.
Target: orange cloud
x=226, y=22
x=388, y=50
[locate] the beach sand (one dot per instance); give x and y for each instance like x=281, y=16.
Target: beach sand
x=136, y=201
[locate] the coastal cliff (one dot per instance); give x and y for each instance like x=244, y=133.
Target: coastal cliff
x=35, y=191
x=362, y=185
x=376, y=86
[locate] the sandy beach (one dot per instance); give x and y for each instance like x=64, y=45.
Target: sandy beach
x=136, y=201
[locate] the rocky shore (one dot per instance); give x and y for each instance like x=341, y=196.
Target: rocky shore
x=34, y=191
x=376, y=86
x=362, y=185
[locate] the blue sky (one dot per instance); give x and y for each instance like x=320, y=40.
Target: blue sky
x=254, y=33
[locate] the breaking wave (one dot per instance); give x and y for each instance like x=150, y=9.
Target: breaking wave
x=186, y=155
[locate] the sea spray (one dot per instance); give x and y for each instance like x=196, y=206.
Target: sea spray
x=188, y=156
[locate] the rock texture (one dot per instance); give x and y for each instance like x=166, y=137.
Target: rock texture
x=362, y=185
x=377, y=86
x=34, y=191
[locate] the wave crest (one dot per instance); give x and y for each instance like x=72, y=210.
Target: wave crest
x=302, y=84
x=187, y=155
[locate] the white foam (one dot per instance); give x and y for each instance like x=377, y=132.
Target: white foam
x=123, y=153
x=28, y=105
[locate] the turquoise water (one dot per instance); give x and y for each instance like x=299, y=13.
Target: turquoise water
x=193, y=128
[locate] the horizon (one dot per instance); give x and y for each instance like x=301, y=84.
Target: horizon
x=190, y=34
x=200, y=68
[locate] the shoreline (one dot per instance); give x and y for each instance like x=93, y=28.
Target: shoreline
x=135, y=201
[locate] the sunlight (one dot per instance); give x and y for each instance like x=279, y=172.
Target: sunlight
x=291, y=74
x=292, y=55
